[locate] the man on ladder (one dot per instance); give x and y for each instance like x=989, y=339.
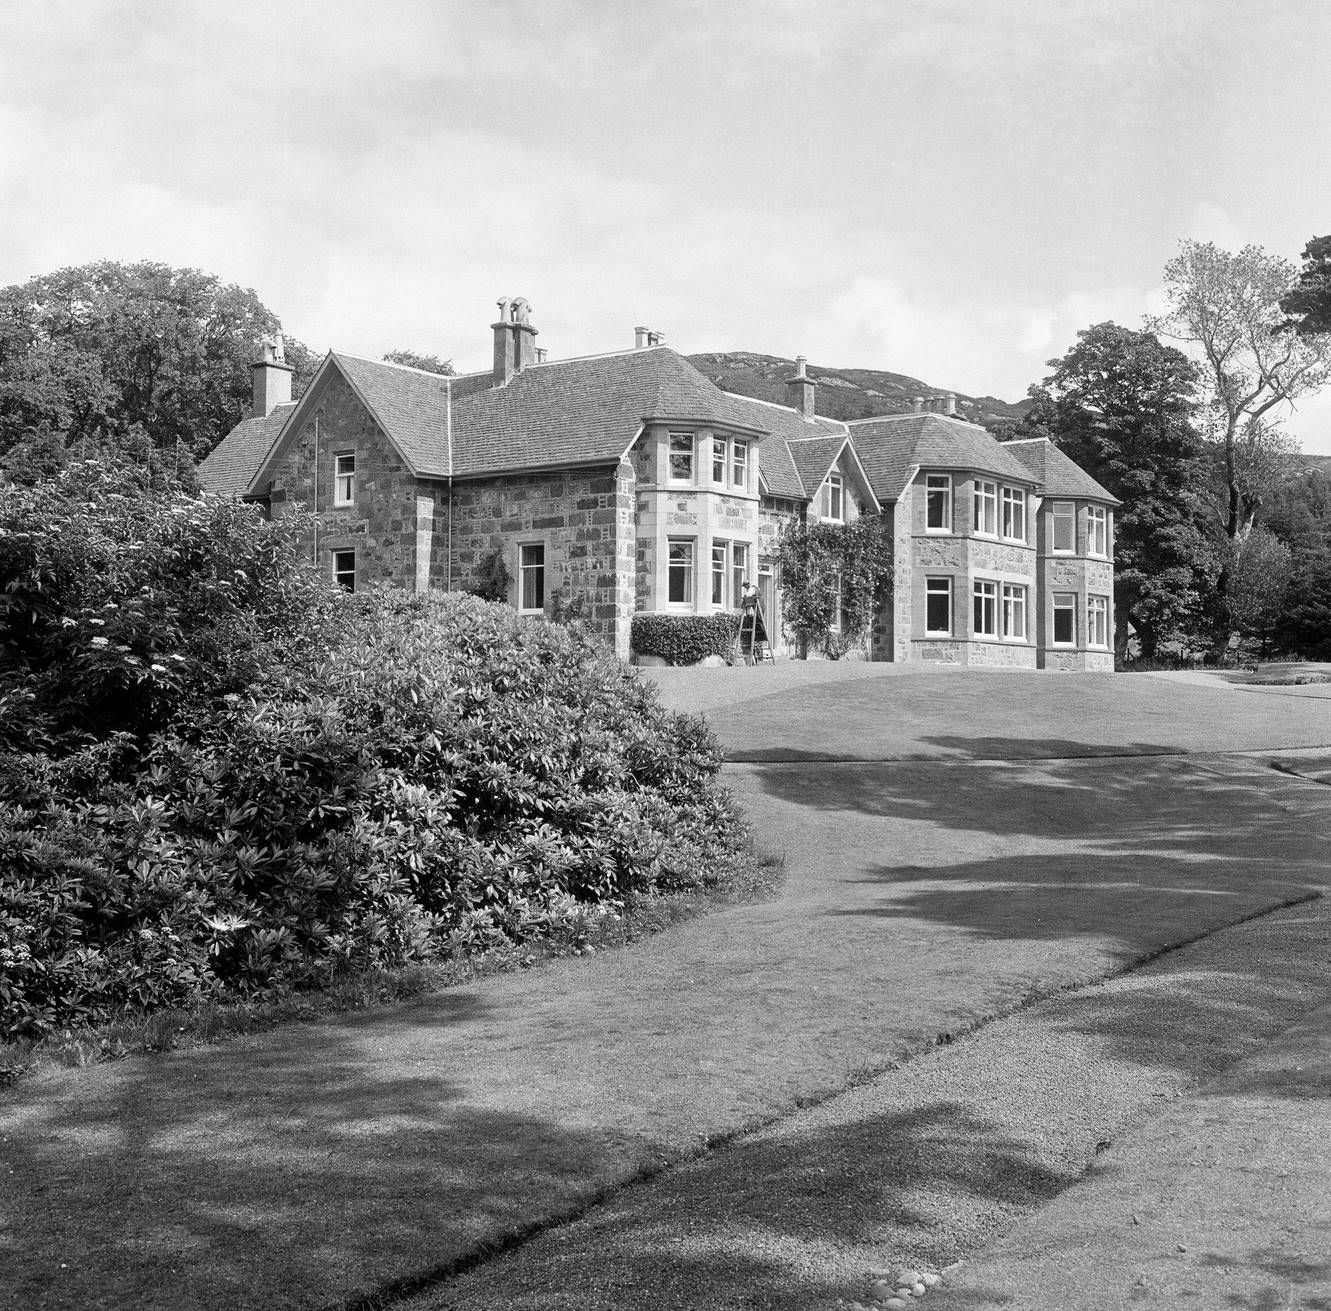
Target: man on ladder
x=752, y=643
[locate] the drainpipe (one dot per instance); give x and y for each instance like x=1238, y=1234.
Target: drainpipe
x=448, y=570
x=315, y=485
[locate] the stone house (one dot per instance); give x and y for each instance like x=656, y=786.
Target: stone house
x=611, y=484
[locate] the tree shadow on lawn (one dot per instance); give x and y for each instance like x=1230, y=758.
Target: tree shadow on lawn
x=296, y=1173
x=777, y=1221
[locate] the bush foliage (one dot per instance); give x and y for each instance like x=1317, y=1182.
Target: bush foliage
x=275, y=782
x=684, y=639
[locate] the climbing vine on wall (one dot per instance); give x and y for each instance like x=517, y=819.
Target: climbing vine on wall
x=835, y=578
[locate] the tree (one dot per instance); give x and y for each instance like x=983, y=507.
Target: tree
x=1227, y=309
x=415, y=360
x=1300, y=515
x=1308, y=305
x=1121, y=405
x=1257, y=588
x=93, y=352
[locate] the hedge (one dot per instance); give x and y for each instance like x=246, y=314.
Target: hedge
x=684, y=639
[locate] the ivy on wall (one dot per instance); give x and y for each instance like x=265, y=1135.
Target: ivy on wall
x=835, y=578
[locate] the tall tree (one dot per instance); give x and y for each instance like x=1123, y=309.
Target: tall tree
x=1308, y=305
x=1226, y=308
x=94, y=352
x=1121, y=405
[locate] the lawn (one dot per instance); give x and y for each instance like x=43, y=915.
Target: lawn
x=320, y=1162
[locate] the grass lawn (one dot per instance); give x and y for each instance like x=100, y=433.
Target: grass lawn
x=319, y=1162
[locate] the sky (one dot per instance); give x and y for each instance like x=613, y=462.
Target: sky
x=945, y=189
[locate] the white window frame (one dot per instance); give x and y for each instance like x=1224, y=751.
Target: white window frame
x=675, y=450
x=834, y=498
x=1014, y=608
x=940, y=483
x=933, y=588
x=341, y=571
x=528, y=568
x=984, y=604
x=344, y=478
x=1063, y=512
x=835, y=624
x=720, y=571
x=720, y=456
x=1097, y=531
x=1067, y=603
x=739, y=463
x=687, y=566
x=739, y=571
x=986, y=508
x=1097, y=621
x=1014, y=509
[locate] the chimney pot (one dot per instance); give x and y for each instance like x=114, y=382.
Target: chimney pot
x=271, y=377
x=640, y=336
x=950, y=403
x=801, y=389
x=917, y=404
x=514, y=339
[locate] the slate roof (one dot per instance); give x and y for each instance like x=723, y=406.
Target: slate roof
x=229, y=466
x=1057, y=474
x=410, y=405
x=585, y=410
x=891, y=448
x=813, y=457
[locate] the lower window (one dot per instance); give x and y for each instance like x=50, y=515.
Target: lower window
x=938, y=606
x=531, y=577
x=344, y=569
x=986, y=609
x=679, y=590
x=1014, y=612
x=1097, y=621
x=1065, y=619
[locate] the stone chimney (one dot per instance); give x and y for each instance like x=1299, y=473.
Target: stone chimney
x=541, y=354
x=271, y=375
x=515, y=339
x=800, y=389
x=645, y=337
x=950, y=403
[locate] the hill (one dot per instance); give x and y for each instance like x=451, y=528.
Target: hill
x=846, y=393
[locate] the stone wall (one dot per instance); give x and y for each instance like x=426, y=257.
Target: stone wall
x=585, y=520
x=394, y=518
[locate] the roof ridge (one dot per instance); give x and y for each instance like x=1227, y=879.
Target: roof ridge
x=601, y=355
x=1023, y=441
x=392, y=364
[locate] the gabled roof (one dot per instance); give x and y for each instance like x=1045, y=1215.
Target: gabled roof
x=1057, y=474
x=585, y=411
x=814, y=458
x=410, y=405
x=780, y=474
x=891, y=449
x=229, y=466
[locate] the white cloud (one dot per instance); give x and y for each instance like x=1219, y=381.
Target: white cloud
x=1210, y=222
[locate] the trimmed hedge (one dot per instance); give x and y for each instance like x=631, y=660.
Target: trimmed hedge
x=684, y=639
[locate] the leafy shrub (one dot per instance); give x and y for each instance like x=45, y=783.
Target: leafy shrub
x=684, y=639
x=432, y=775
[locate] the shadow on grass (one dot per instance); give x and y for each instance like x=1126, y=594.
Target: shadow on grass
x=284, y=1175
x=775, y=1221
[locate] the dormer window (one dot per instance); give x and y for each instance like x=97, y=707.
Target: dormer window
x=681, y=457
x=344, y=478
x=834, y=498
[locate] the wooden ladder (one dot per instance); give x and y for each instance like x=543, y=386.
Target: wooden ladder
x=752, y=645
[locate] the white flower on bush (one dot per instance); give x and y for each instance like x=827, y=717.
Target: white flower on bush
x=158, y=669
x=100, y=642
x=226, y=923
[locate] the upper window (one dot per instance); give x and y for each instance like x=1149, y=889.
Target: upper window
x=1014, y=514
x=531, y=577
x=986, y=608
x=344, y=478
x=681, y=457
x=1065, y=527
x=938, y=502
x=680, y=585
x=719, y=460
x=1097, y=531
x=344, y=569
x=938, y=606
x=739, y=467
x=834, y=498
x=986, y=508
